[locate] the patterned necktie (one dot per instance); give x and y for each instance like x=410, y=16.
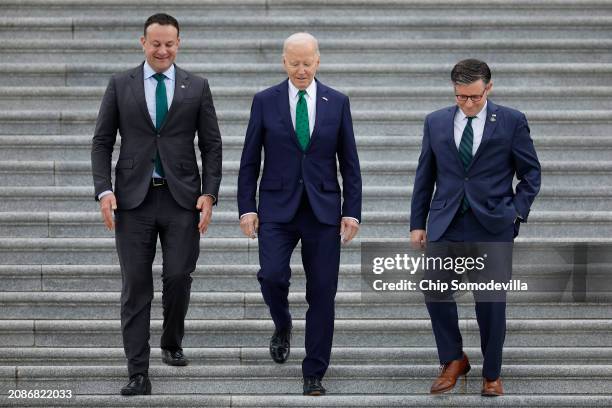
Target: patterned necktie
x=465, y=154
x=302, y=129
x=161, y=109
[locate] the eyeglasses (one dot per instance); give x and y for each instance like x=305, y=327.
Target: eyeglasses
x=474, y=98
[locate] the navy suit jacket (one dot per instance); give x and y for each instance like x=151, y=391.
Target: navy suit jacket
x=506, y=150
x=288, y=170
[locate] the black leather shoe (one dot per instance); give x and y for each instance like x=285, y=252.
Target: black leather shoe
x=312, y=386
x=280, y=345
x=139, y=385
x=174, y=358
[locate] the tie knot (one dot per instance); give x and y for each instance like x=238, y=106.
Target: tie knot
x=301, y=93
x=159, y=77
x=469, y=118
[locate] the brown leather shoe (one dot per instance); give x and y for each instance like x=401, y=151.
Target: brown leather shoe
x=449, y=373
x=492, y=388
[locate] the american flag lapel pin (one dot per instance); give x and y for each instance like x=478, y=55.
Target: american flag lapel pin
x=493, y=117
x=324, y=98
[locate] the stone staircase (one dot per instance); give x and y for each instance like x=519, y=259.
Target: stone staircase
x=59, y=274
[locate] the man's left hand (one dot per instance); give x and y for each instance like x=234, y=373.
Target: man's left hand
x=348, y=229
x=205, y=203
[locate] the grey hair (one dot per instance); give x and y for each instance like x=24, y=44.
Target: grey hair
x=301, y=37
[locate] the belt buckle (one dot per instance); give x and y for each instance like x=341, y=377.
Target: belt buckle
x=161, y=182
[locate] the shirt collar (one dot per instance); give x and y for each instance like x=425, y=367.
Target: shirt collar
x=149, y=72
x=310, y=90
x=481, y=115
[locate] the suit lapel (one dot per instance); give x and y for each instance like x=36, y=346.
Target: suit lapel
x=320, y=111
x=282, y=99
x=489, y=129
x=137, y=86
x=181, y=85
x=450, y=135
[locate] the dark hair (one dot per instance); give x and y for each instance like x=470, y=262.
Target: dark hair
x=469, y=71
x=161, y=19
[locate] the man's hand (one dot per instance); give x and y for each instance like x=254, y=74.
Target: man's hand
x=108, y=204
x=205, y=203
x=418, y=239
x=249, y=224
x=348, y=229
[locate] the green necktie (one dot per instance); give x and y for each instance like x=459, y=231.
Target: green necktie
x=161, y=109
x=301, y=121
x=465, y=154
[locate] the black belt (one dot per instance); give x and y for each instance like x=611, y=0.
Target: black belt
x=157, y=182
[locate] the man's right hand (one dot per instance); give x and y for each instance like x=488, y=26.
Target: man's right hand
x=418, y=239
x=108, y=204
x=249, y=224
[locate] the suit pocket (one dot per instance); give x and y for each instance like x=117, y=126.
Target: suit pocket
x=188, y=166
x=437, y=204
x=330, y=185
x=271, y=184
x=124, y=164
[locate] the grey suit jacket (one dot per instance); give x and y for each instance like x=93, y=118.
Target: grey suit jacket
x=124, y=108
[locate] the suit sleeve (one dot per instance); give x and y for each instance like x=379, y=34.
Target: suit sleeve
x=209, y=143
x=348, y=160
x=424, y=182
x=527, y=167
x=104, y=139
x=250, y=161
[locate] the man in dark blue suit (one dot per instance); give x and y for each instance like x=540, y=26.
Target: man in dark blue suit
x=303, y=126
x=470, y=155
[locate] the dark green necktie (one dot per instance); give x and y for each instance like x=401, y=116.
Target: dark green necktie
x=465, y=154
x=161, y=109
x=302, y=129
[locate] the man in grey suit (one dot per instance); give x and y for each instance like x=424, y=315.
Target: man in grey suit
x=158, y=108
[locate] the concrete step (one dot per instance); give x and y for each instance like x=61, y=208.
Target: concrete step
x=225, y=224
x=62, y=199
x=212, y=356
x=250, y=305
x=286, y=379
x=388, y=123
x=275, y=27
x=373, y=173
x=352, y=332
x=249, y=50
x=341, y=8
x=371, y=148
x=356, y=400
x=242, y=278
x=381, y=73
x=362, y=98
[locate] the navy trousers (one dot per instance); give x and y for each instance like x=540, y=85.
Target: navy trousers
x=490, y=315
x=321, y=260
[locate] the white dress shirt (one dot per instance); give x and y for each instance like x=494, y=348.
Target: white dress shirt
x=310, y=97
x=478, y=124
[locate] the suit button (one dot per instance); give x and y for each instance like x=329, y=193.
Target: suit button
x=153, y=160
x=467, y=179
x=158, y=135
x=301, y=181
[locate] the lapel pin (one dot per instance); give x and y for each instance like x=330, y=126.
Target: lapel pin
x=493, y=117
x=324, y=98
x=183, y=86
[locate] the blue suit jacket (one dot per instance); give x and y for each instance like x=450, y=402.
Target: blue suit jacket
x=288, y=170
x=506, y=149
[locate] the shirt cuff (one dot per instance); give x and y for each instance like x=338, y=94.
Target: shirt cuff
x=247, y=214
x=104, y=193
x=352, y=218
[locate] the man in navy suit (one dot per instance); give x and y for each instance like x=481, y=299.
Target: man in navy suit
x=470, y=154
x=303, y=126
